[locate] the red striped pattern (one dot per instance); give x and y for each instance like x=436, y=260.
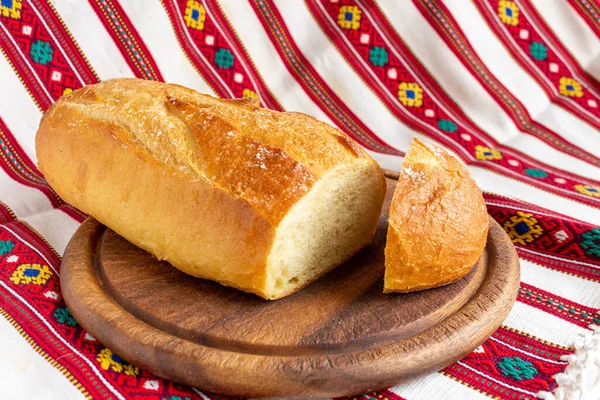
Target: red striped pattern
x=43, y=54
x=438, y=116
x=40, y=312
x=236, y=77
x=589, y=12
x=381, y=395
x=127, y=39
x=311, y=81
x=251, y=72
x=19, y=167
x=449, y=31
x=554, y=241
x=537, y=50
x=511, y=365
x=6, y=214
x=565, y=309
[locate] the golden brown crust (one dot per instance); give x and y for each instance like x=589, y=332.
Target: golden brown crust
x=219, y=140
x=198, y=181
x=438, y=222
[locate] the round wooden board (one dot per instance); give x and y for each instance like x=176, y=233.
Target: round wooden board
x=339, y=336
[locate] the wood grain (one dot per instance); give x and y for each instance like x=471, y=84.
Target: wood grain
x=339, y=336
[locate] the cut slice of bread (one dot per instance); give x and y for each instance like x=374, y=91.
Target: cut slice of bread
x=438, y=222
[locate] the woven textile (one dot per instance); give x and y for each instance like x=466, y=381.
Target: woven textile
x=510, y=87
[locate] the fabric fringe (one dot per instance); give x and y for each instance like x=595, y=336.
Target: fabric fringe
x=581, y=379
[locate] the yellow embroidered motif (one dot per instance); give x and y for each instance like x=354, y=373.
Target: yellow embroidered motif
x=523, y=228
x=410, y=94
x=589, y=190
x=11, y=8
x=67, y=91
x=109, y=360
x=195, y=15
x=508, y=12
x=570, y=87
x=485, y=153
x=38, y=274
x=349, y=17
x=249, y=94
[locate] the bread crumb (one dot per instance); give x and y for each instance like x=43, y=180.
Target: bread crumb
x=438, y=151
x=415, y=176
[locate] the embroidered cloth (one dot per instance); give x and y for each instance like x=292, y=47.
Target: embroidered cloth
x=510, y=87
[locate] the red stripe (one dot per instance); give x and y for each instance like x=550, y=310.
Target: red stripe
x=539, y=22
x=389, y=394
x=449, y=31
x=511, y=365
x=560, y=307
x=194, y=50
x=525, y=206
x=539, y=68
x=548, y=235
x=549, y=239
x=55, y=314
x=38, y=298
x=65, y=40
x=380, y=395
x=312, y=83
x=126, y=37
x=464, y=137
x=47, y=59
x=6, y=214
x=23, y=71
x=224, y=26
x=589, y=11
x=544, y=29
x=17, y=165
x=31, y=236
x=213, y=37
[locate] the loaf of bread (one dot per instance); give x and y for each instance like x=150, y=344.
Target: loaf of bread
x=438, y=222
x=259, y=200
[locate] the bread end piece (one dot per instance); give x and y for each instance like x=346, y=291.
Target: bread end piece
x=438, y=222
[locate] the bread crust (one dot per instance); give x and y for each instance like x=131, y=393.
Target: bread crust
x=197, y=181
x=438, y=222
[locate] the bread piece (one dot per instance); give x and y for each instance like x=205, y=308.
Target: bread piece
x=438, y=222
x=222, y=189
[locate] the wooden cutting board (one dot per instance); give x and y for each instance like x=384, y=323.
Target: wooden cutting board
x=339, y=336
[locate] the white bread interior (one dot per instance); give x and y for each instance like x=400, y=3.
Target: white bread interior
x=322, y=230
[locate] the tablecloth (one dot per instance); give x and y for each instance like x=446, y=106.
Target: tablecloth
x=509, y=87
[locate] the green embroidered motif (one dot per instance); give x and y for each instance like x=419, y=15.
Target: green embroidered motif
x=591, y=242
x=41, y=52
x=378, y=56
x=538, y=51
x=6, y=246
x=446, y=125
x=517, y=368
x=535, y=173
x=63, y=315
x=224, y=59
